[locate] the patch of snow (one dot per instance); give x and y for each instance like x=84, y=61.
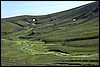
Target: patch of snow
x=33, y=19
x=74, y=19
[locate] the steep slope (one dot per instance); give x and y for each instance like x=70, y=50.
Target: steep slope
x=61, y=26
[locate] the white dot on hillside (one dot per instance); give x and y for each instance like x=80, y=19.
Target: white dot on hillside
x=74, y=19
x=33, y=19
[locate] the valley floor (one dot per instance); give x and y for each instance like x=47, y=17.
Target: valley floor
x=36, y=53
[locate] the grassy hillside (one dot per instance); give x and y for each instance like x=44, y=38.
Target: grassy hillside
x=67, y=38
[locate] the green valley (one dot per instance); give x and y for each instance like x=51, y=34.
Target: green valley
x=67, y=38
